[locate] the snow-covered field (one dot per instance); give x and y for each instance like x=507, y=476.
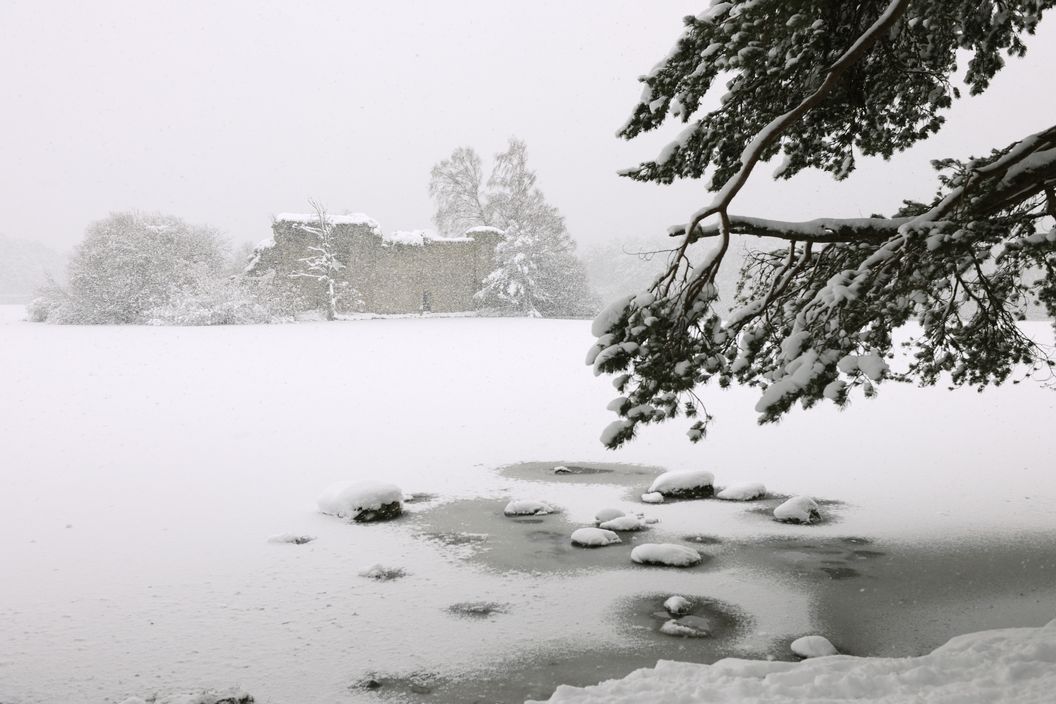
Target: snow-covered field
x=142, y=471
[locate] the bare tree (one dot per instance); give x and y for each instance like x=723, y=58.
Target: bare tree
x=322, y=265
x=455, y=184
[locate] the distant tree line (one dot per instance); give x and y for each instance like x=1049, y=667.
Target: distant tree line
x=150, y=268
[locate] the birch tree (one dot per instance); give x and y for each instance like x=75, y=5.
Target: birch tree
x=817, y=84
x=536, y=269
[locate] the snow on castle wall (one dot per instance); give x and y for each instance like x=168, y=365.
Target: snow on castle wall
x=398, y=272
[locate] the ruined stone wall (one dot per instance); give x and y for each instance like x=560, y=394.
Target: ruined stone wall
x=390, y=276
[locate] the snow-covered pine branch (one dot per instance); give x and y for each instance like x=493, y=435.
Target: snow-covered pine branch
x=814, y=319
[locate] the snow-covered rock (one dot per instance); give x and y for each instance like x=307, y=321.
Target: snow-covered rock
x=594, y=537
x=362, y=501
x=528, y=508
x=607, y=514
x=813, y=647
x=687, y=627
x=667, y=554
x=798, y=509
x=561, y=469
x=1008, y=666
x=742, y=492
x=678, y=605
x=623, y=523
x=692, y=484
x=653, y=497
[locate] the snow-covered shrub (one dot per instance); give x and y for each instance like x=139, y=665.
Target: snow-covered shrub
x=40, y=308
x=362, y=501
x=230, y=301
x=131, y=264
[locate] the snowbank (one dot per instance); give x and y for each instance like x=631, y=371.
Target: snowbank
x=667, y=554
x=742, y=492
x=1009, y=666
x=361, y=501
x=693, y=483
x=594, y=537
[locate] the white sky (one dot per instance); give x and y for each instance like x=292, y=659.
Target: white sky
x=228, y=112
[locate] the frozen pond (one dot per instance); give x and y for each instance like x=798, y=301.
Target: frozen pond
x=142, y=471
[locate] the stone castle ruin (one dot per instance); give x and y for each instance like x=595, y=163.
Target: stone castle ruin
x=397, y=272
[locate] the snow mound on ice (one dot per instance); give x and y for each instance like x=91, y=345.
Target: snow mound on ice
x=353, y=499
x=1008, y=666
x=798, y=509
x=742, y=492
x=678, y=605
x=813, y=647
x=528, y=508
x=594, y=537
x=228, y=696
x=667, y=554
x=380, y=573
x=623, y=523
x=607, y=514
x=687, y=627
x=691, y=483
x=291, y=538
x=653, y=497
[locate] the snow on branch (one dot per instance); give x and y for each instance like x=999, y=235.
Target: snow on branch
x=814, y=319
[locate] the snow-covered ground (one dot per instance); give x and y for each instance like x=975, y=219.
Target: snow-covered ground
x=1008, y=666
x=143, y=470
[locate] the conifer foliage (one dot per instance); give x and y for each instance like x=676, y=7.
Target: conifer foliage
x=537, y=272
x=815, y=84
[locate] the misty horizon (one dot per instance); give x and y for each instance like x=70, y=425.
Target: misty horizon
x=226, y=117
